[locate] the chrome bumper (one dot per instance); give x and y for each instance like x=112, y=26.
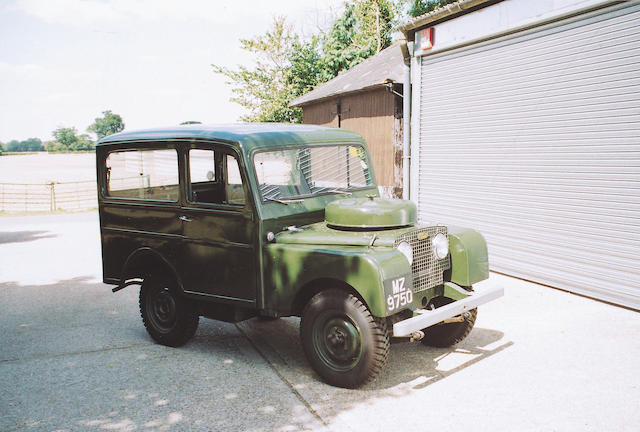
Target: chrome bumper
x=427, y=318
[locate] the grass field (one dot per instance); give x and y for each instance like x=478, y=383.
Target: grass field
x=43, y=168
x=25, y=183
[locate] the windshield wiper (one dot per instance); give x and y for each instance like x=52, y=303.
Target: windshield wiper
x=284, y=201
x=339, y=192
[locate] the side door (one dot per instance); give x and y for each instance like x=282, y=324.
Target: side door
x=139, y=203
x=219, y=230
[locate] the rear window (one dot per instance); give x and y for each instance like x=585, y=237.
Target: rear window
x=143, y=174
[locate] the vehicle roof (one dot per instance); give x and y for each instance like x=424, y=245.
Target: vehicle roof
x=249, y=135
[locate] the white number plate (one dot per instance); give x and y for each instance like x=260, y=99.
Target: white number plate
x=401, y=296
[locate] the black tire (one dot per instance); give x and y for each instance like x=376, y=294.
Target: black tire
x=344, y=343
x=169, y=318
x=445, y=335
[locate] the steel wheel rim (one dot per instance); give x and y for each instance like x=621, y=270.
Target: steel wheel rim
x=162, y=310
x=337, y=341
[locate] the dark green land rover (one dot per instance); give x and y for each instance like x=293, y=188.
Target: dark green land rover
x=234, y=222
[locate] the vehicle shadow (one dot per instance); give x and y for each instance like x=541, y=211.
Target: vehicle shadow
x=411, y=366
x=77, y=357
x=91, y=354
x=279, y=342
x=24, y=236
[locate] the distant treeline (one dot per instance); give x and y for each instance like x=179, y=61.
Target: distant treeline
x=28, y=145
x=67, y=139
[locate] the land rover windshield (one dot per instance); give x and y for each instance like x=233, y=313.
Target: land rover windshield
x=297, y=173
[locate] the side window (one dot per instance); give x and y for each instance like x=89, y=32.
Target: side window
x=214, y=178
x=204, y=184
x=203, y=165
x=143, y=174
x=233, y=184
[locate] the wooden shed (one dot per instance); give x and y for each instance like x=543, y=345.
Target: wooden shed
x=366, y=99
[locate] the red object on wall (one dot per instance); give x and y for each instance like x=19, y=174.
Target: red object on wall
x=426, y=39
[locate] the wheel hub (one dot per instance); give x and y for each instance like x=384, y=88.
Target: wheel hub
x=339, y=344
x=163, y=309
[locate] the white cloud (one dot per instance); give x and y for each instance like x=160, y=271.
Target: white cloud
x=147, y=60
x=90, y=13
x=21, y=71
x=67, y=12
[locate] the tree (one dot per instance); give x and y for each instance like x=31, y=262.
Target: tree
x=265, y=91
x=108, y=124
x=13, y=146
x=363, y=30
x=53, y=146
x=66, y=139
x=83, y=143
x=32, y=144
x=288, y=66
x=28, y=145
x=421, y=7
x=308, y=68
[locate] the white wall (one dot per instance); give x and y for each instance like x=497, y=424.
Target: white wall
x=502, y=17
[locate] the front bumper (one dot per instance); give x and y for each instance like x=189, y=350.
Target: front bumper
x=427, y=318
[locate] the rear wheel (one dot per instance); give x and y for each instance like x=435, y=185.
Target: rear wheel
x=169, y=317
x=445, y=335
x=344, y=343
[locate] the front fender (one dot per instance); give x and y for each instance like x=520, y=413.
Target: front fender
x=469, y=257
x=291, y=267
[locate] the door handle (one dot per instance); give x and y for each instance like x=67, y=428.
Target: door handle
x=185, y=219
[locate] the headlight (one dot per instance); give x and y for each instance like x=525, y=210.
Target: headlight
x=440, y=245
x=407, y=251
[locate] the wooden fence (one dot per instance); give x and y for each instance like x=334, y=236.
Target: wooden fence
x=48, y=197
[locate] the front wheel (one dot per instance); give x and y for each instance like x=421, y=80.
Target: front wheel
x=445, y=335
x=168, y=317
x=344, y=343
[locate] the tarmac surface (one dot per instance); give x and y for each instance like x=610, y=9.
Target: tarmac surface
x=76, y=357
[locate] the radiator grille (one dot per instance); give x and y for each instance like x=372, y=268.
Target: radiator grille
x=427, y=270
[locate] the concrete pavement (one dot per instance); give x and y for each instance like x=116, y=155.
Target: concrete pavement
x=74, y=356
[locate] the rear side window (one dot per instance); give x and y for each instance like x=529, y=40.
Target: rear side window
x=143, y=174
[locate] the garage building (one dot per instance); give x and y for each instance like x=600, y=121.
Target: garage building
x=526, y=125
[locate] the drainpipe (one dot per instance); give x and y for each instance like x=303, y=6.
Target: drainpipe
x=406, y=121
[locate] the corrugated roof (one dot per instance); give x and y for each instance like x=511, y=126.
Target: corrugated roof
x=446, y=12
x=387, y=65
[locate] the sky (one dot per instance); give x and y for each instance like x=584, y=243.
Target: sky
x=63, y=62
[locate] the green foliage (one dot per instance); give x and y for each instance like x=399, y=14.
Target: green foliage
x=308, y=66
x=54, y=147
x=265, y=91
x=421, y=7
x=66, y=136
x=364, y=29
x=288, y=66
x=32, y=144
x=67, y=139
x=28, y=145
x=108, y=124
x=13, y=146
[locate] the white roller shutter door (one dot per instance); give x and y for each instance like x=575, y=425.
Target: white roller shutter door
x=534, y=140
